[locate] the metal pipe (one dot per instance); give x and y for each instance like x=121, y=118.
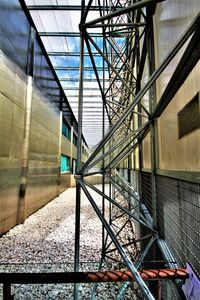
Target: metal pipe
x=118, y=205
x=143, y=91
x=109, y=63
x=7, y=291
x=147, y=214
x=145, y=251
x=117, y=25
x=117, y=233
x=121, y=11
x=79, y=154
x=62, y=7
x=123, y=254
x=88, y=277
x=97, y=77
x=121, y=155
x=144, y=222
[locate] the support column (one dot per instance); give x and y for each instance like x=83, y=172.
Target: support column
x=79, y=154
x=153, y=286
x=7, y=291
x=21, y=214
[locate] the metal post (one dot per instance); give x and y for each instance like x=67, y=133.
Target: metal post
x=103, y=150
x=152, y=103
x=7, y=291
x=79, y=151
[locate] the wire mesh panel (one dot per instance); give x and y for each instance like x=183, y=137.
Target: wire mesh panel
x=146, y=190
x=169, y=291
x=178, y=209
x=178, y=218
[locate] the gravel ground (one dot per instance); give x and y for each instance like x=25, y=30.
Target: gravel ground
x=45, y=242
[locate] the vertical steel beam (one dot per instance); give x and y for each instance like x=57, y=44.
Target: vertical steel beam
x=103, y=150
x=7, y=291
x=152, y=104
x=154, y=286
x=79, y=154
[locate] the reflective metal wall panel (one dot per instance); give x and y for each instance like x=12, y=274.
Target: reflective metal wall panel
x=44, y=159
x=74, y=151
x=43, y=153
x=14, y=32
x=65, y=181
x=146, y=152
x=171, y=19
x=39, y=154
x=65, y=146
x=183, y=153
x=12, y=112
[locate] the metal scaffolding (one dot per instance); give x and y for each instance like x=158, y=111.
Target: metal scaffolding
x=125, y=44
x=120, y=45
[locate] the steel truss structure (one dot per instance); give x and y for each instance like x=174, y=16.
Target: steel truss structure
x=122, y=36
x=126, y=46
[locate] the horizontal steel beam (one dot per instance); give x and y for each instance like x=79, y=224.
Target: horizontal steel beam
x=77, y=79
x=109, y=25
x=66, y=34
x=121, y=11
x=85, y=277
x=88, y=96
x=60, y=68
x=70, y=54
x=72, y=88
x=66, y=7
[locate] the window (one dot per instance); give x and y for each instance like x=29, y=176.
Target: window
x=75, y=140
x=66, y=130
x=65, y=163
x=74, y=165
x=189, y=117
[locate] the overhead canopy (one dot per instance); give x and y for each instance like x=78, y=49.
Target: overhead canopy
x=57, y=22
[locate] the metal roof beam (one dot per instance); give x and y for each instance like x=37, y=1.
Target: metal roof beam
x=67, y=34
x=121, y=11
x=77, y=80
x=60, y=68
x=66, y=7
x=70, y=54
